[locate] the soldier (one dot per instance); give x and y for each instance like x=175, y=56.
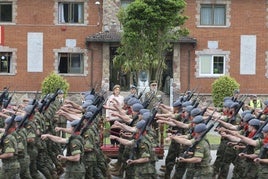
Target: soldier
x=142, y=163
x=11, y=166
x=199, y=163
x=75, y=151
x=23, y=157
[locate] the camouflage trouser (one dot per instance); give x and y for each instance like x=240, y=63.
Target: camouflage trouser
x=24, y=167
x=180, y=169
x=75, y=171
x=44, y=164
x=10, y=170
x=199, y=173
x=173, y=152
x=251, y=169
x=229, y=157
x=33, y=152
x=263, y=171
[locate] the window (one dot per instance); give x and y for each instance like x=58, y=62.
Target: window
x=212, y=65
x=5, y=12
x=213, y=15
x=70, y=12
x=5, y=65
x=71, y=63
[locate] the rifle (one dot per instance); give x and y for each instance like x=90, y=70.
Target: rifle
x=210, y=117
x=256, y=136
x=47, y=104
x=147, y=102
x=195, y=103
x=263, y=151
x=3, y=94
x=6, y=103
x=27, y=115
x=140, y=135
x=191, y=94
x=191, y=149
x=99, y=109
x=141, y=93
x=205, y=109
x=7, y=128
x=43, y=102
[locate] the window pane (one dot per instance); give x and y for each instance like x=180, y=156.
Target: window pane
x=76, y=65
x=218, y=65
x=205, y=65
x=71, y=13
x=5, y=12
x=5, y=62
x=219, y=15
x=206, y=15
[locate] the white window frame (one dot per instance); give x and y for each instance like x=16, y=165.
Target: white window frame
x=212, y=53
x=212, y=15
x=211, y=73
x=227, y=4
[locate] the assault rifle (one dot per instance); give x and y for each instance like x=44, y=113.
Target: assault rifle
x=47, y=104
x=263, y=151
x=148, y=101
x=190, y=150
x=240, y=105
x=27, y=115
x=99, y=109
x=210, y=117
x=140, y=135
x=257, y=135
x=3, y=95
x=6, y=103
x=205, y=109
x=196, y=101
x=189, y=96
x=141, y=93
x=6, y=129
x=43, y=102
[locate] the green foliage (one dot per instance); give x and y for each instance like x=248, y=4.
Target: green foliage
x=223, y=87
x=54, y=81
x=149, y=26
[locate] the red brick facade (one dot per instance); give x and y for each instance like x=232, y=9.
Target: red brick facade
x=246, y=18
x=41, y=16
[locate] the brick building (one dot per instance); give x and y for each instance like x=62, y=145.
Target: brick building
x=78, y=39
x=38, y=37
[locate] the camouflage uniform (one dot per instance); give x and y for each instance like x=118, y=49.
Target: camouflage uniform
x=32, y=150
x=75, y=170
x=23, y=157
x=90, y=159
x=201, y=170
x=11, y=166
x=144, y=170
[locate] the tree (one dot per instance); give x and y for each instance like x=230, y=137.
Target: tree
x=149, y=27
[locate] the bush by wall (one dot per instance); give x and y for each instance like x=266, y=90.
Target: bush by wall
x=54, y=81
x=223, y=87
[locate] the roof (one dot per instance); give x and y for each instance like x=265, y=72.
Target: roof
x=115, y=36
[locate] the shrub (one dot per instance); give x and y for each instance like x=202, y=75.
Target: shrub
x=54, y=81
x=223, y=87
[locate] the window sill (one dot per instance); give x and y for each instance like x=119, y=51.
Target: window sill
x=210, y=76
x=7, y=23
x=211, y=26
x=7, y=74
x=72, y=24
x=75, y=75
